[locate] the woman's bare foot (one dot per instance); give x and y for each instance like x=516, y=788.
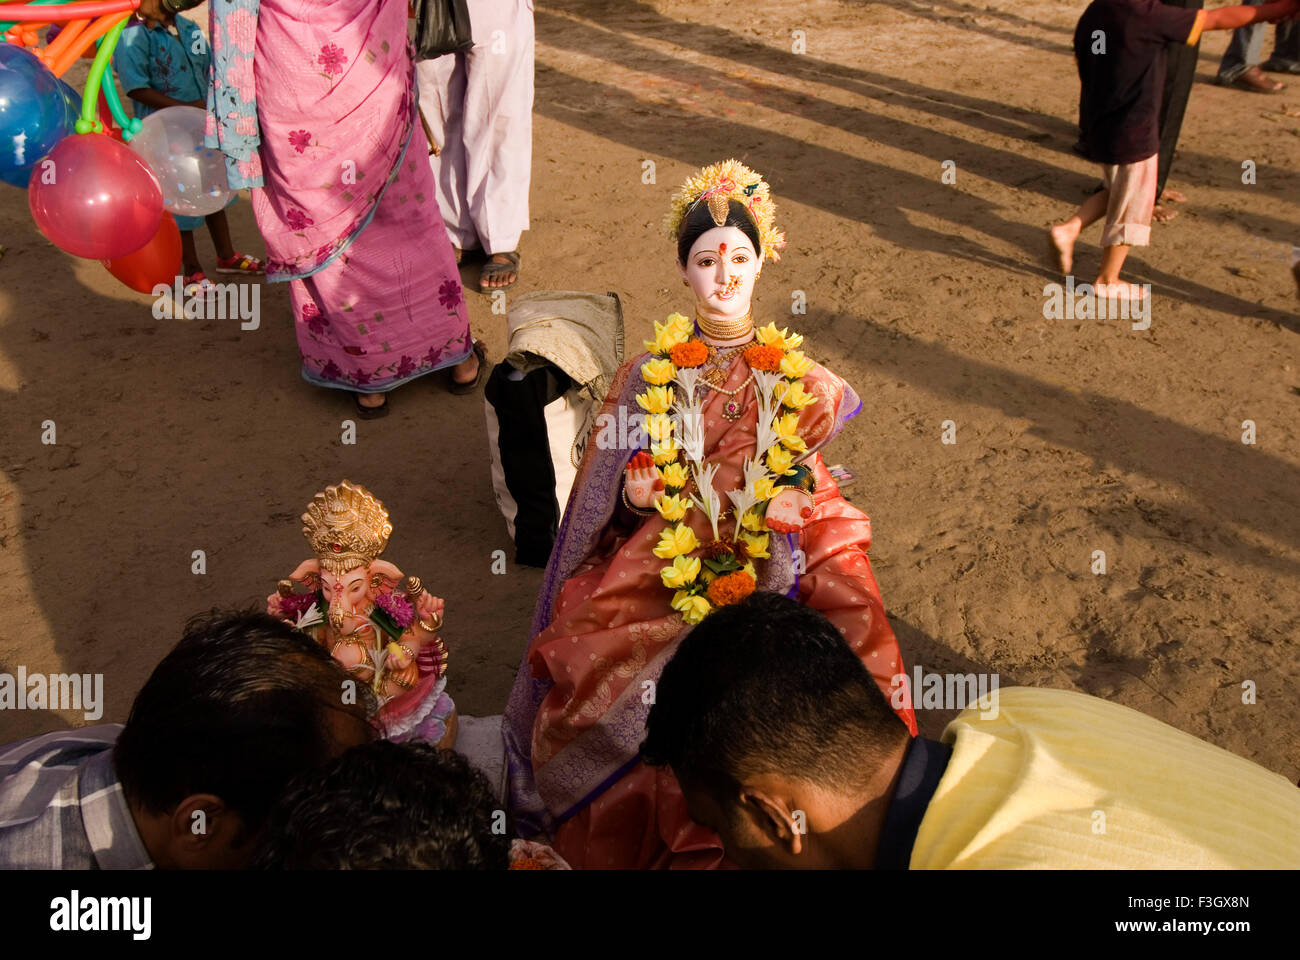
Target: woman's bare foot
x=1060, y=245
x=1170, y=195
x=466, y=371
x=1162, y=214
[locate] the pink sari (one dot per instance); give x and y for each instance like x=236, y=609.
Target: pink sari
x=604, y=625
x=348, y=209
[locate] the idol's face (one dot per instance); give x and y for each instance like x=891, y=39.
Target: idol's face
x=720, y=270
x=346, y=591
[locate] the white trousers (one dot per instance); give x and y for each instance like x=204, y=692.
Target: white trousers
x=479, y=106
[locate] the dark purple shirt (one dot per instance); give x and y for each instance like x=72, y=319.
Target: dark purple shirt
x=1119, y=99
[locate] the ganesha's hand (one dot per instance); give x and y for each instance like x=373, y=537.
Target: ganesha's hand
x=789, y=510
x=429, y=611
x=642, y=482
x=398, y=658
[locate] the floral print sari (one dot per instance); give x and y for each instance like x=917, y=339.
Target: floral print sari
x=315, y=107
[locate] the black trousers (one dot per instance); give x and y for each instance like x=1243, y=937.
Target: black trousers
x=1180, y=71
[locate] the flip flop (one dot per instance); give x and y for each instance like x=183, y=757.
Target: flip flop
x=370, y=413
x=490, y=269
x=461, y=389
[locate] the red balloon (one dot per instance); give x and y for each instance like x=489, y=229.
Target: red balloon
x=158, y=261
x=95, y=197
x=105, y=116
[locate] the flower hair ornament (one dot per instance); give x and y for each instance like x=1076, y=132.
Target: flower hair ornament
x=716, y=185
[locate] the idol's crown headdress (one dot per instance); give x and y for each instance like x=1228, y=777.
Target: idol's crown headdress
x=346, y=527
x=722, y=182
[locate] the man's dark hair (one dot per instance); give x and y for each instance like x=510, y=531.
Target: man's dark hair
x=769, y=686
x=389, y=806
x=699, y=221
x=241, y=706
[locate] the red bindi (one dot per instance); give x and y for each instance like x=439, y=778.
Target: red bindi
x=722, y=248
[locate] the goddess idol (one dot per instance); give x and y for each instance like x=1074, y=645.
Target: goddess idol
x=381, y=625
x=726, y=495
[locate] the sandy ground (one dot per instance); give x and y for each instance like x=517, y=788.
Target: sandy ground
x=1072, y=435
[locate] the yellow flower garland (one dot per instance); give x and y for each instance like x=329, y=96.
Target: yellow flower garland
x=687, y=576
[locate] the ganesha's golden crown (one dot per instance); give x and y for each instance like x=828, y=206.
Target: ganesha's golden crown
x=346, y=527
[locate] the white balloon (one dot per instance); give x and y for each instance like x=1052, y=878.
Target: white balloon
x=192, y=176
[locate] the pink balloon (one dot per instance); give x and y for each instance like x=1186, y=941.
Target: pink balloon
x=94, y=197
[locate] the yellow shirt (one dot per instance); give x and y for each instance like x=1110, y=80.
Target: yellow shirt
x=1060, y=779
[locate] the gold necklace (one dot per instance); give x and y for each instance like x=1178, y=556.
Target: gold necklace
x=725, y=329
x=719, y=361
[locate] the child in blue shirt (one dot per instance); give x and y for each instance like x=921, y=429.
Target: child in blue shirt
x=164, y=63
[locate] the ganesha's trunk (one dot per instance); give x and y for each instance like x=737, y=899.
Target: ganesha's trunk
x=337, y=613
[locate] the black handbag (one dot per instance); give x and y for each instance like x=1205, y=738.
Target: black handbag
x=441, y=27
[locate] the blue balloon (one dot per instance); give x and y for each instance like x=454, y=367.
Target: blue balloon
x=34, y=113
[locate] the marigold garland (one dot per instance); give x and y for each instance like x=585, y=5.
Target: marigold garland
x=731, y=588
x=718, y=572
x=690, y=354
x=763, y=357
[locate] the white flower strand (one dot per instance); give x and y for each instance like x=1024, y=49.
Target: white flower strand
x=764, y=390
x=707, y=498
x=742, y=500
x=690, y=416
x=311, y=617
x=688, y=379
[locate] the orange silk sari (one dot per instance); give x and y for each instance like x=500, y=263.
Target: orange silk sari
x=604, y=629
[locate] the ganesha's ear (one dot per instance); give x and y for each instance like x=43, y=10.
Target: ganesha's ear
x=386, y=570
x=308, y=572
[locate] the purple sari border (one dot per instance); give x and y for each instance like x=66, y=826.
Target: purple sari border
x=600, y=788
x=353, y=388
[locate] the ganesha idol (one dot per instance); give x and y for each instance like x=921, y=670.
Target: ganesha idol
x=380, y=624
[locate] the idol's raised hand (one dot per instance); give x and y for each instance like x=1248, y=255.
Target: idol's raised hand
x=429, y=611
x=789, y=510
x=642, y=482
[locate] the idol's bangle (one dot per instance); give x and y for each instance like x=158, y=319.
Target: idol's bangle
x=637, y=510
x=433, y=627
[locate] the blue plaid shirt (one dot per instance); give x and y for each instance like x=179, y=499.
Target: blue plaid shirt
x=62, y=807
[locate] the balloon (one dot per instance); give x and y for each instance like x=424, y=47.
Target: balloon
x=192, y=176
x=105, y=116
x=34, y=114
x=95, y=198
x=73, y=100
x=158, y=261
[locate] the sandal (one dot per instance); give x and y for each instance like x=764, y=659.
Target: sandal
x=241, y=263
x=491, y=269
x=463, y=388
x=197, y=284
x=370, y=413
